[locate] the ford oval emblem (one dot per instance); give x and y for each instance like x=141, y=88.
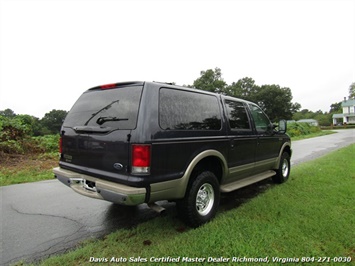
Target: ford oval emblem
x=118, y=166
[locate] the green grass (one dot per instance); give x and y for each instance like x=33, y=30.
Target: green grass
x=11, y=177
x=312, y=215
x=22, y=169
x=313, y=135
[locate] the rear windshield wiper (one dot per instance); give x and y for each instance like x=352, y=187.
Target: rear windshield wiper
x=104, y=108
x=103, y=119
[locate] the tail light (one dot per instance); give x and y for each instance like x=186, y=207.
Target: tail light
x=141, y=159
x=60, y=144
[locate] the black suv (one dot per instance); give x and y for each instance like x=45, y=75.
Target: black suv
x=141, y=142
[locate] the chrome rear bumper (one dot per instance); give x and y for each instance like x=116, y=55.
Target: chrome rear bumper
x=100, y=189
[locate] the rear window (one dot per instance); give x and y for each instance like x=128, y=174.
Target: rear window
x=114, y=108
x=184, y=110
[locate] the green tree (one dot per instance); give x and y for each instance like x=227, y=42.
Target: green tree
x=8, y=113
x=335, y=108
x=210, y=80
x=324, y=119
x=295, y=107
x=31, y=122
x=352, y=90
x=244, y=88
x=53, y=121
x=303, y=114
x=276, y=102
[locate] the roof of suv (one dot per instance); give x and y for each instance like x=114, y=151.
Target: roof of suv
x=169, y=85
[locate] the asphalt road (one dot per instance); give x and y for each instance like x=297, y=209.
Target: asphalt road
x=43, y=218
x=309, y=149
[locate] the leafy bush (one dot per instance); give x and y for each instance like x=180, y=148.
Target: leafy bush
x=13, y=131
x=11, y=146
x=13, y=128
x=31, y=145
x=16, y=137
x=298, y=129
x=48, y=143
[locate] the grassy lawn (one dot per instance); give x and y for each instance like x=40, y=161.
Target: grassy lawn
x=313, y=135
x=311, y=217
x=24, y=169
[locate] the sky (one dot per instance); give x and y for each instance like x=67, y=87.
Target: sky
x=51, y=51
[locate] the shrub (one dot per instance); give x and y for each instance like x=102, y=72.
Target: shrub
x=48, y=143
x=12, y=133
x=15, y=138
x=298, y=129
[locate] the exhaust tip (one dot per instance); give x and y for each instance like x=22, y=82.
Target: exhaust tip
x=157, y=208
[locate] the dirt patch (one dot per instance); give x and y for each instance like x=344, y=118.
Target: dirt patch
x=13, y=162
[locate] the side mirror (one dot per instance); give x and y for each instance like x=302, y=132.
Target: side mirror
x=282, y=126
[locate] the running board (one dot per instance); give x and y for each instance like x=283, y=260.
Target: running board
x=247, y=181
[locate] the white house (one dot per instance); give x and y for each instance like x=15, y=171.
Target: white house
x=311, y=122
x=348, y=115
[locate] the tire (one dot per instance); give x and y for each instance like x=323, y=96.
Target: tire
x=201, y=200
x=283, y=172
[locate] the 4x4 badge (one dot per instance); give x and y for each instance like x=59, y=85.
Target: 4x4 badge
x=118, y=166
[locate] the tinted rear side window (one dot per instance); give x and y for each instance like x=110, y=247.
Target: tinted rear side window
x=184, y=110
x=237, y=115
x=114, y=108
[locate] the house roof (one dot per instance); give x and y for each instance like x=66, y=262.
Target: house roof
x=307, y=121
x=338, y=115
x=343, y=115
x=346, y=103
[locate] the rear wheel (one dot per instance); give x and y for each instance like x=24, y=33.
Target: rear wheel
x=201, y=200
x=283, y=172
